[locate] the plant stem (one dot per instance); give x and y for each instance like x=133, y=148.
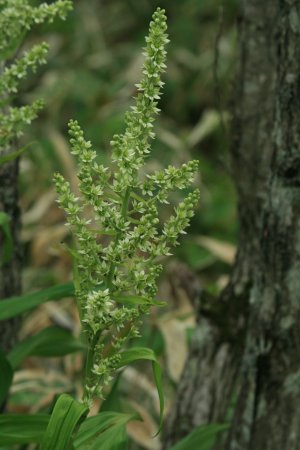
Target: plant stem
x=124, y=211
x=95, y=339
x=89, y=365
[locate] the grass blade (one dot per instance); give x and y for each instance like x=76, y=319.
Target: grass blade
x=6, y=376
x=22, y=428
x=142, y=353
x=202, y=438
x=13, y=306
x=52, y=341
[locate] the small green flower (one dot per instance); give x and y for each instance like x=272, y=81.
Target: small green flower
x=16, y=18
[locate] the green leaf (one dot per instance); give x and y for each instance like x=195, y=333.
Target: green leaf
x=7, y=246
x=137, y=300
x=6, y=372
x=112, y=401
x=104, y=232
x=13, y=306
x=65, y=417
x=138, y=353
x=52, y=341
x=94, y=428
x=115, y=438
x=22, y=428
x=13, y=155
x=131, y=300
x=202, y=438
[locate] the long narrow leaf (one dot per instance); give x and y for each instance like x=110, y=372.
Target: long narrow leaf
x=22, y=428
x=137, y=300
x=114, y=438
x=66, y=416
x=13, y=155
x=94, y=427
x=13, y=306
x=202, y=438
x=140, y=353
x=52, y=341
x=112, y=401
x=6, y=372
x=7, y=245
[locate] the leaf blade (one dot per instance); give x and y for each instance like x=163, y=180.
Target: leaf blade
x=66, y=415
x=115, y=438
x=13, y=155
x=202, y=438
x=14, y=306
x=22, y=428
x=93, y=427
x=6, y=371
x=52, y=341
x=144, y=353
x=7, y=241
x=137, y=300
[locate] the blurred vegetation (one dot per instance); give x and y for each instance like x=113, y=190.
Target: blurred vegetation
x=94, y=62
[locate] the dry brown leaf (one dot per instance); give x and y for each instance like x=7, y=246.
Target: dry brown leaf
x=34, y=322
x=43, y=246
x=39, y=208
x=143, y=432
x=171, y=140
x=59, y=316
x=95, y=407
x=62, y=313
x=207, y=124
x=135, y=378
x=222, y=281
x=49, y=377
x=181, y=288
x=139, y=381
x=223, y=250
x=174, y=333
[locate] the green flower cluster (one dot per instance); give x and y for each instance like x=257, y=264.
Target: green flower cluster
x=12, y=75
x=13, y=121
x=116, y=224
x=131, y=148
x=16, y=18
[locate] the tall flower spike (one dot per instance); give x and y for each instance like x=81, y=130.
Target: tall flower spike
x=108, y=272
x=131, y=148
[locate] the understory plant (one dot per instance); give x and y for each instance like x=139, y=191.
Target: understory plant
x=117, y=232
x=119, y=242
x=116, y=278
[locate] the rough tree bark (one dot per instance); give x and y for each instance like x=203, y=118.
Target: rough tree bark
x=247, y=341
x=10, y=272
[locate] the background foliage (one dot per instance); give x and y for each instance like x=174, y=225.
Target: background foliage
x=93, y=63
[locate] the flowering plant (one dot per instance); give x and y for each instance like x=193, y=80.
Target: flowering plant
x=116, y=278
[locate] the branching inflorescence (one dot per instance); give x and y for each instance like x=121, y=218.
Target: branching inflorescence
x=116, y=278
x=16, y=18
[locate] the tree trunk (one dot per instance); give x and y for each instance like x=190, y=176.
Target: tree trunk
x=10, y=272
x=247, y=346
